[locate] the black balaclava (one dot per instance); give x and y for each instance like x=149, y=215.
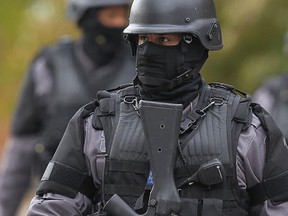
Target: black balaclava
x=170, y=73
x=100, y=42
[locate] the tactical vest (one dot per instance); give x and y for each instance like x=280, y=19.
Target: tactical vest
x=72, y=88
x=210, y=131
x=205, y=135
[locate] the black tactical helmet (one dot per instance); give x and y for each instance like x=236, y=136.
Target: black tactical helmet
x=77, y=8
x=197, y=17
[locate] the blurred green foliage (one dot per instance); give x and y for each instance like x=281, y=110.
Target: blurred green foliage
x=253, y=33
x=252, y=30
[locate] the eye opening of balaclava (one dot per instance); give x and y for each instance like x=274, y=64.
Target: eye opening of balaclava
x=100, y=43
x=170, y=73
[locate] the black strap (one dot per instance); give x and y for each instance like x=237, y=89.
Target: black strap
x=127, y=166
x=216, y=194
x=182, y=172
x=243, y=112
x=71, y=178
x=269, y=188
x=257, y=194
x=107, y=105
x=123, y=190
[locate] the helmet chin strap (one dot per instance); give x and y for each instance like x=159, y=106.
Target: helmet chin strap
x=132, y=39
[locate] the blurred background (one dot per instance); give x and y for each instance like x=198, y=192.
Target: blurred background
x=253, y=32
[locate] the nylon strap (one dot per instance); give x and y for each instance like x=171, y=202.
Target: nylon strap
x=123, y=190
x=72, y=178
x=127, y=166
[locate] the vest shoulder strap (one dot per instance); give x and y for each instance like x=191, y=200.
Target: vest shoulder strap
x=107, y=104
x=241, y=116
x=106, y=115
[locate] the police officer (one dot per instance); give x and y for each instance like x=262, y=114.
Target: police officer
x=103, y=151
x=62, y=78
x=272, y=94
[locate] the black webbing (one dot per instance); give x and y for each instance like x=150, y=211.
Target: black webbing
x=72, y=178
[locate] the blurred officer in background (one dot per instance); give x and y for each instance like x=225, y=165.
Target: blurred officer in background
x=62, y=78
x=273, y=95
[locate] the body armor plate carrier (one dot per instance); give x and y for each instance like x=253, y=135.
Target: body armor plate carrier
x=211, y=131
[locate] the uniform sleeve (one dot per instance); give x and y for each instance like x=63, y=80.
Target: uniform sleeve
x=58, y=196
x=250, y=161
x=57, y=205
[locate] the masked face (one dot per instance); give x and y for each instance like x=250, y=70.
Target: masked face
x=169, y=72
x=156, y=64
x=102, y=33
